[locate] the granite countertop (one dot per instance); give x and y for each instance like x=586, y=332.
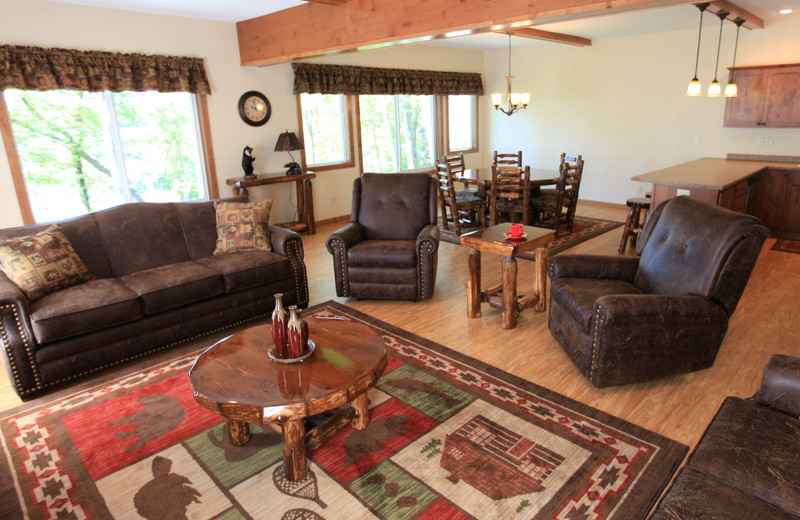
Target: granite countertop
x=716, y=174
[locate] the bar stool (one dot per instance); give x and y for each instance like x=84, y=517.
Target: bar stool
x=633, y=224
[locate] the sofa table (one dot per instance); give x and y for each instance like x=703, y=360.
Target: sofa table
x=305, y=198
x=504, y=296
x=237, y=379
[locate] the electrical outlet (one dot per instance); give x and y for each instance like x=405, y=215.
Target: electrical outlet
x=333, y=201
x=697, y=139
x=684, y=192
x=639, y=189
x=760, y=141
x=768, y=141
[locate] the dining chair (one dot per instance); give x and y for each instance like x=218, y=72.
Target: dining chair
x=456, y=163
x=507, y=159
x=467, y=208
x=555, y=207
x=510, y=194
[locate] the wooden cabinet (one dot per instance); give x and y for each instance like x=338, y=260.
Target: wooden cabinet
x=779, y=202
x=767, y=97
x=735, y=197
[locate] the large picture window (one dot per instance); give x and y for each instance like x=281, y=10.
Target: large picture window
x=85, y=151
x=398, y=133
x=462, y=124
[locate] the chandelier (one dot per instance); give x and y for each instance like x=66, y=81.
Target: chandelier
x=514, y=100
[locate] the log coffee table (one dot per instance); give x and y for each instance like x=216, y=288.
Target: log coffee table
x=504, y=296
x=237, y=379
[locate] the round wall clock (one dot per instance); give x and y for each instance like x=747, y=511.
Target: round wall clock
x=254, y=108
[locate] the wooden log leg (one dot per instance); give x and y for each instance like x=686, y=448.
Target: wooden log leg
x=310, y=221
x=636, y=228
x=294, y=450
x=474, y=284
x=540, y=279
x=361, y=405
x=238, y=432
x=509, y=293
x=301, y=202
x=626, y=231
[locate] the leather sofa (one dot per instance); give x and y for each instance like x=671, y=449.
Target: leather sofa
x=390, y=248
x=157, y=284
x=747, y=464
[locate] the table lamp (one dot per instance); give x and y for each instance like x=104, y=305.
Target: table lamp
x=288, y=142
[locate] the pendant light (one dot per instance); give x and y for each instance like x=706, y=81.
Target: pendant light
x=731, y=90
x=715, y=89
x=695, y=88
x=514, y=100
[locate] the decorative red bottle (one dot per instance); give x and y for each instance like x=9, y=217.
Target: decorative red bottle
x=280, y=321
x=297, y=332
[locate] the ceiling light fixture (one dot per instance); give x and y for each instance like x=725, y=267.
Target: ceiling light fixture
x=715, y=89
x=695, y=88
x=785, y=11
x=514, y=100
x=731, y=90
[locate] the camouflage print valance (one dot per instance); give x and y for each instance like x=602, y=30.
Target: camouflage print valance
x=36, y=68
x=314, y=78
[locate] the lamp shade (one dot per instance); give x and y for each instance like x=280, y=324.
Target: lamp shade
x=288, y=142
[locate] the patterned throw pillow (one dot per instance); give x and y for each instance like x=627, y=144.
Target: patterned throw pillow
x=42, y=263
x=242, y=226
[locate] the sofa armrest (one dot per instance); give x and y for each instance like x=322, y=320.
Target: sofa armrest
x=345, y=237
x=16, y=338
x=780, y=385
x=658, y=311
x=428, y=239
x=281, y=238
x=593, y=266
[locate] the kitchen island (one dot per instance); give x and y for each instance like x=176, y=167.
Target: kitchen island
x=767, y=187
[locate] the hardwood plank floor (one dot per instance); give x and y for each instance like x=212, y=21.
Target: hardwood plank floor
x=679, y=407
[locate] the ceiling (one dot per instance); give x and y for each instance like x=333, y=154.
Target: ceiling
x=596, y=28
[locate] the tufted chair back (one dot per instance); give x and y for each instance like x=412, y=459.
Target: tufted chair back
x=690, y=247
x=389, y=206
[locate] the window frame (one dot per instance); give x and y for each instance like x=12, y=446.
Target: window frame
x=445, y=123
x=18, y=178
x=351, y=111
x=442, y=142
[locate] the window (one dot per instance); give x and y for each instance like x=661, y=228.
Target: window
x=326, y=131
x=462, y=131
x=84, y=151
x=397, y=133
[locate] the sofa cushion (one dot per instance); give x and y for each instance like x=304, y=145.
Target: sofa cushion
x=83, y=308
x=171, y=286
x=248, y=269
x=242, y=226
x=42, y=263
x=383, y=253
x=753, y=448
x=577, y=296
x=697, y=496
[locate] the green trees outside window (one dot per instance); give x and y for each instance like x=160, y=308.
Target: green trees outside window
x=85, y=151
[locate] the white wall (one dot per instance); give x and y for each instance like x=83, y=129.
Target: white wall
x=52, y=24
x=621, y=104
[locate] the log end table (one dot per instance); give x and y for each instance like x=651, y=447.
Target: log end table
x=237, y=379
x=504, y=296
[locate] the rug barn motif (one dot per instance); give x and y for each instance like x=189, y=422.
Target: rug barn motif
x=450, y=438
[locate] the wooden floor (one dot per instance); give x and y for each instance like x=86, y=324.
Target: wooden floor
x=680, y=407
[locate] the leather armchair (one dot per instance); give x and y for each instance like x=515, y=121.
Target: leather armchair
x=632, y=319
x=390, y=248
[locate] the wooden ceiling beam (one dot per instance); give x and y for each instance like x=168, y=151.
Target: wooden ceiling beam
x=751, y=21
x=548, y=36
x=316, y=29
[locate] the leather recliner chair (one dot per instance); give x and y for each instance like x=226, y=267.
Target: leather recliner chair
x=390, y=248
x=631, y=319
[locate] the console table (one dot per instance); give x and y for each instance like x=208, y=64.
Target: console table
x=305, y=199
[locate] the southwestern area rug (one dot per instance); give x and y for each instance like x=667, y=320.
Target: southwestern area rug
x=788, y=246
x=583, y=228
x=450, y=438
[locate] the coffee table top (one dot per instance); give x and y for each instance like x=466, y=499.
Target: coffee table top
x=237, y=379
x=492, y=239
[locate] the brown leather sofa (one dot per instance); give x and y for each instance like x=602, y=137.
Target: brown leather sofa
x=158, y=284
x=390, y=248
x=747, y=464
x=631, y=319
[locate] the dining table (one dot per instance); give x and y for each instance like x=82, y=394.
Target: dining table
x=539, y=177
